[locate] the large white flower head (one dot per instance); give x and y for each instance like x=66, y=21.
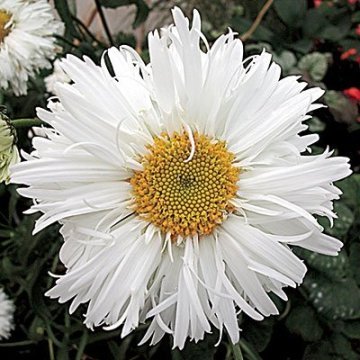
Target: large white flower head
x=180, y=185
x=26, y=41
x=7, y=309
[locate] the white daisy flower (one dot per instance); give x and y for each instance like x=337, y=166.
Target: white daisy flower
x=7, y=309
x=180, y=184
x=26, y=41
x=58, y=75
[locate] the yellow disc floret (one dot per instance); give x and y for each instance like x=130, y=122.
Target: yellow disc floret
x=4, y=29
x=184, y=197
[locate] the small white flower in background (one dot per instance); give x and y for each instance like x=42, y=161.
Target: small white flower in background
x=27, y=43
x=9, y=153
x=7, y=309
x=180, y=185
x=58, y=75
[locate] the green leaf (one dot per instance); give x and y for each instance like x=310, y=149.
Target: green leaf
x=286, y=59
x=352, y=329
x=261, y=33
x=356, y=17
x=315, y=64
x=309, y=330
x=316, y=125
x=341, y=107
x=354, y=258
x=342, y=224
x=333, y=267
x=334, y=299
x=291, y=12
x=330, y=23
x=302, y=46
x=313, y=23
x=351, y=191
x=339, y=24
x=344, y=221
x=336, y=348
x=142, y=9
x=342, y=347
x=333, y=32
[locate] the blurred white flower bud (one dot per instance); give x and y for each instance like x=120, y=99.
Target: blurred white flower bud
x=58, y=75
x=9, y=153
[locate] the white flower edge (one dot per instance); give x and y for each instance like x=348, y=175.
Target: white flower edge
x=7, y=309
x=30, y=45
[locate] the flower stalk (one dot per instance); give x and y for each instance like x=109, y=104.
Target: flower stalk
x=104, y=22
x=22, y=123
x=246, y=35
x=236, y=350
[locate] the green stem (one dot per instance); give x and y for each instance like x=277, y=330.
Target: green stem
x=21, y=123
x=51, y=350
x=65, y=41
x=248, y=351
x=82, y=346
x=104, y=22
x=87, y=31
x=286, y=311
x=51, y=335
x=236, y=350
x=18, y=343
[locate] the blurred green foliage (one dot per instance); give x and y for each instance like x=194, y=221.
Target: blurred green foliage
x=321, y=320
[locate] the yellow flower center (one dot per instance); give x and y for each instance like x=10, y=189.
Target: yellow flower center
x=4, y=19
x=185, y=197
